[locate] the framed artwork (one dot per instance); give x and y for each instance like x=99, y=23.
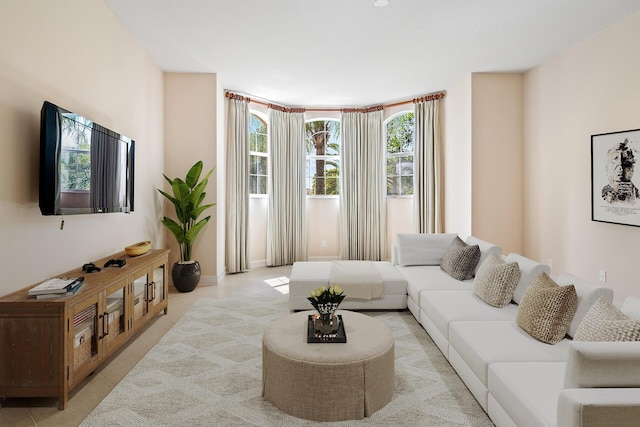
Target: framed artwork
x=615, y=194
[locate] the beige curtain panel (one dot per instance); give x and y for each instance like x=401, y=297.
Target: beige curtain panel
x=287, y=213
x=362, y=187
x=428, y=175
x=237, y=232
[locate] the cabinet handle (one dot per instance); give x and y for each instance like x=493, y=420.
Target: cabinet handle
x=153, y=288
x=101, y=318
x=105, y=320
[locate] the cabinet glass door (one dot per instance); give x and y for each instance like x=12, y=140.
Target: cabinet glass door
x=85, y=335
x=157, y=289
x=114, y=314
x=140, y=296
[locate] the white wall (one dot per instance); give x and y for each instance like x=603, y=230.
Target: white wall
x=190, y=135
x=497, y=163
x=457, y=158
x=591, y=88
x=77, y=55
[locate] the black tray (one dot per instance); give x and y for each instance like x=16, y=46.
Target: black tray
x=340, y=337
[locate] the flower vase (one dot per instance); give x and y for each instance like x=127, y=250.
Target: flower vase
x=326, y=322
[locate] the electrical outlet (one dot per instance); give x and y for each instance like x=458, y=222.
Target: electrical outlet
x=603, y=276
x=324, y=243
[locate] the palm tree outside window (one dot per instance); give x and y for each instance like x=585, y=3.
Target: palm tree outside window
x=323, y=157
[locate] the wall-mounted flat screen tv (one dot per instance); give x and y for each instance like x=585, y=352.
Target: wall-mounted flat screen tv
x=84, y=167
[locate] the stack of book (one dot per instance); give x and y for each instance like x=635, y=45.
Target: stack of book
x=56, y=287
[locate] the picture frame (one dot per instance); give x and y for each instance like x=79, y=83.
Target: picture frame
x=615, y=187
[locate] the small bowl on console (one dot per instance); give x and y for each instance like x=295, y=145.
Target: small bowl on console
x=137, y=249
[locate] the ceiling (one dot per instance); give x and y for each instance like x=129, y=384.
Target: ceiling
x=352, y=53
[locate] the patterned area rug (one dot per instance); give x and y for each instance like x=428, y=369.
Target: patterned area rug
x=207, y=370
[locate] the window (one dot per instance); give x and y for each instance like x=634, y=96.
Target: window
x=258, y=155
x=323, y=157
x=400, y=143
x=75, y=154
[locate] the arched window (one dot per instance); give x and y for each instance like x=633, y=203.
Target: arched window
x=258, y=155
x=323, y=157
x=400, y=143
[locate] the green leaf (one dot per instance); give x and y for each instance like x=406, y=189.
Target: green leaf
x=200, y=209
x=168, y=196
x=197, y=227
x=175, y=228
x=194, y=174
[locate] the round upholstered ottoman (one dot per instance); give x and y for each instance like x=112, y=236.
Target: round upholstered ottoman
x=328, y=381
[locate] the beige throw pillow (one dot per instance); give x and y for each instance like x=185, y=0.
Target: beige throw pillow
x=496, y=281
x=604, y=322
x=460, y=259
x=546, y=309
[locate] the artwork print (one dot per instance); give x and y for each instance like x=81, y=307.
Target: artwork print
x=615, y=194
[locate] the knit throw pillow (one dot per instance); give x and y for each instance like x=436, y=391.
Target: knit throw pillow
x=496, y=281
x=460, y=259
x=546, y=309
x=604, y=322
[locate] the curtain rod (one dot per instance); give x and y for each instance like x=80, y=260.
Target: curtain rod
x=428, y=97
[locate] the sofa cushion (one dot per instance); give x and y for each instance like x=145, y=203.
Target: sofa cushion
x=460, y=260
x=527, y=391
x=587, y=292
x=480, y=344
x=529, y=270
x=604, y=322
x=444, y=307
x=422, y=248
x=496, y=281
x=430, y=277
x=631, y=307
x=486, y=249
x=546, y=309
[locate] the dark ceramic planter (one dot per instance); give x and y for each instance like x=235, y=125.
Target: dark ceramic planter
x=185, y=276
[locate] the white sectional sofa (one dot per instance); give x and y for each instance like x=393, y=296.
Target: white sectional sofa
x=307, y=276
x=518, y=380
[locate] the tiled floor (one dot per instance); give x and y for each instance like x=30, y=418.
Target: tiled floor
x=86, y=396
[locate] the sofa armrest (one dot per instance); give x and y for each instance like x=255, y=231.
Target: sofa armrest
x=595, y=407
x=423, y=248
x=603, y=364
x=394, y=254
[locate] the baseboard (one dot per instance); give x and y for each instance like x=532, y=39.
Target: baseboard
x=211, y=279
x=259, y=263
x=324, y=258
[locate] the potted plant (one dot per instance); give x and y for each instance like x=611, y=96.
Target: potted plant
x=187, y=198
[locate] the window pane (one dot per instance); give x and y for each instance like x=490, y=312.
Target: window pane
x=253, y=165
x=392, y=166
x=261, y=165
x=261, y=143
x=393, y=185
x=331, y=186
x=407, y=185
x=406, y=165
x=400, y=134
x=253, y=184
x=262, y=185
x=323, y=137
